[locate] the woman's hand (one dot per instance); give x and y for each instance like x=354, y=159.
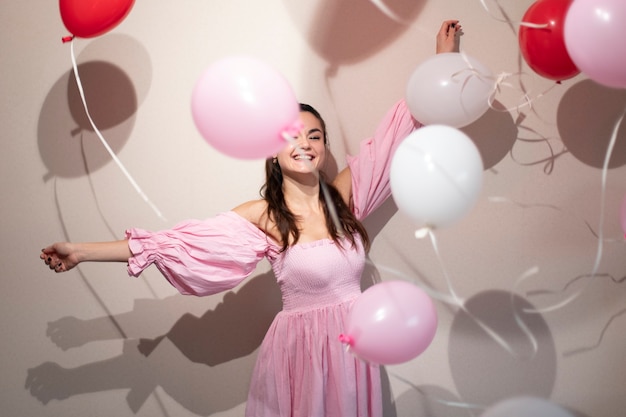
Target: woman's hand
x=60, y=257
x=449, y=37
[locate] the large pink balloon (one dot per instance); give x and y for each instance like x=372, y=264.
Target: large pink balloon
x=450, y=89
x=390, y=323
x=593, y=29
x=243, y=106
x=622, y=215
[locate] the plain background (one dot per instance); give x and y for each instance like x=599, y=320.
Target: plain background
x=94, y=342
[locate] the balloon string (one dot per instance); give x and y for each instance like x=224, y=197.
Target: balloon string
x=431, y=293
x=104, y=142
x=550, y=160
x=459, y=302
x=83, y=277
x=499, y=81
x=451, y=290
x=534, y=25
x=600, y=233
x=506, y=19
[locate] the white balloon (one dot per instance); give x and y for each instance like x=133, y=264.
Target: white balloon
x=436, y=175
x=526, y=407
x=451, y=89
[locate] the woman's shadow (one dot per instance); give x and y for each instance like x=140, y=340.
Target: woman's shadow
x=223, y=339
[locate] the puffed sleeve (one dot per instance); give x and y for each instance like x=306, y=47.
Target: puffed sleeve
x=200, y=257
x=370, y=168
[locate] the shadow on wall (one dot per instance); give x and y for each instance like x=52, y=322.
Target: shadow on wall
x=587, y=115
x=214, y=350
x=112, y=100
x=221, y=341
x=64, y=129
x=345, y=32
x=429, y=401
x=494, y=134
x=483, y=370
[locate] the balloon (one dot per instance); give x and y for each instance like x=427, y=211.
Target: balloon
x=390, y=323
x=450, y=89
x=242, y=107
x=90, y=18
x=592, y=30
x=436, y=175
x=544, y=48
x=622, y=215
x=526, y=407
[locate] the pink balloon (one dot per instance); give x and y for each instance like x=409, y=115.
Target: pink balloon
x=242, y=107
x=622, y=215
x=390, y=323
x=592, y=30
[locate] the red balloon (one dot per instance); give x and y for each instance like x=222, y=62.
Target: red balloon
x=544, y=48
x=90, y=18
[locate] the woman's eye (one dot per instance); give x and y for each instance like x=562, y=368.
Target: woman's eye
x=315, y=137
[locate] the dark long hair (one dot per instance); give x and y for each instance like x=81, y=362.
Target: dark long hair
x=286, y=221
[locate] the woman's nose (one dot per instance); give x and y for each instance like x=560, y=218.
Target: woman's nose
x=302, y=142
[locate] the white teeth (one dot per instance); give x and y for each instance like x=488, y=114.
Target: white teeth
x=309, y=157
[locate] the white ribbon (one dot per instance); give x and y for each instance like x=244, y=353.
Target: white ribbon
x=104, y=142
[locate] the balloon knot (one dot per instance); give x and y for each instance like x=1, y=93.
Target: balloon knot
x=423, y=232
x=345, y=339
x=67, y=39
x=295, y=129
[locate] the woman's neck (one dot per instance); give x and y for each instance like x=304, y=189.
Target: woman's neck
x=302, y=197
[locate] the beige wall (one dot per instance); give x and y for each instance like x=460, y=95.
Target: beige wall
x=95, y=342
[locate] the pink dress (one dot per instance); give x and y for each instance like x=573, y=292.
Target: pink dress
x=302, y=370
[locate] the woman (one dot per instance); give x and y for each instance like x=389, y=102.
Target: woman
x=317, y=252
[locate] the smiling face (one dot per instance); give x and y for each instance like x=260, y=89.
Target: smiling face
x=307, y=152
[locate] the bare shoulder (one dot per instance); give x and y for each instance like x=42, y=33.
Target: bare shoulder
x=343, y=184
x=255, y=211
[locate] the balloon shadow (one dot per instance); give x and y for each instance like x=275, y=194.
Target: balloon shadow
x=484, y=371
x=431, y=401
x=63, y=122
x=127, y=53
x=587, y=115
x=222, y=341
x=580, y=284
x=494, y=134
x=345, y=32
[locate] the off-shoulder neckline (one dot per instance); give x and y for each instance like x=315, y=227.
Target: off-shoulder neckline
x=256, y=229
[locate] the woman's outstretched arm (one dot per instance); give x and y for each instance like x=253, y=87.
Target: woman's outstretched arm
x=63, y=256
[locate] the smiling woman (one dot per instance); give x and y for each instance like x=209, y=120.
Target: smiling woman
x=308, y=149
x=311, y=233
